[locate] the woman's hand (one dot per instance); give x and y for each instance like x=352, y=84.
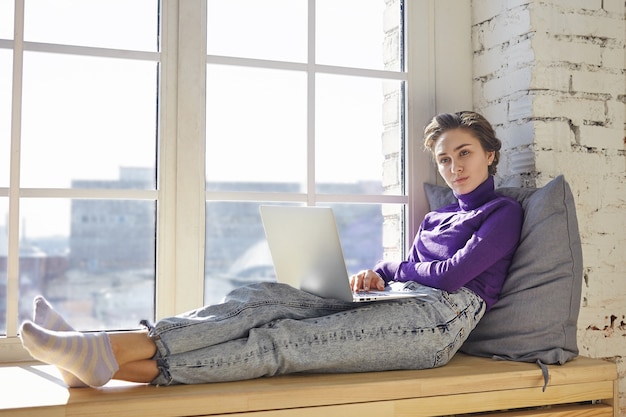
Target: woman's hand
x=367, y=280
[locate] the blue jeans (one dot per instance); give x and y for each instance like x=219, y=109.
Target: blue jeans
x=271, y=329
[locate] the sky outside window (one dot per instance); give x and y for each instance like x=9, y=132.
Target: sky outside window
x=6, y=61
x=260, y=29
x=250, y=112
x=116, y=24
x=6, y=19
x=101, y=111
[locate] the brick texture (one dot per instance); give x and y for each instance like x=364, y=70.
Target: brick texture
x=551, y=76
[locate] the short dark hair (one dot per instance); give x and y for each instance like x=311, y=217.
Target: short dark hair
x=471, y=121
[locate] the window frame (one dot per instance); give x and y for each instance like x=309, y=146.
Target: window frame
x=181, y=193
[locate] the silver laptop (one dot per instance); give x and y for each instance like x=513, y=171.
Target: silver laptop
x=306, y=252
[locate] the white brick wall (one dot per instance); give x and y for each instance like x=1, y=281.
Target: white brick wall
x=551, y=76
x=392, y=238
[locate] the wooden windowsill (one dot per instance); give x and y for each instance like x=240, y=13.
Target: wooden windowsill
x=466, y=384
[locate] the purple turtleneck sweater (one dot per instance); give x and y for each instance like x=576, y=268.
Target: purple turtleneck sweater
x=467, y=244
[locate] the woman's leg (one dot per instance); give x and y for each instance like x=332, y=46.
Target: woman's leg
x=243, y=309
x=401, y=334
x=133, y=352
x=264, y=330
x=144, y=371
x=95, y=358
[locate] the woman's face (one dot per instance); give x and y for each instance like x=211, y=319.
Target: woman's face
x=461, y=160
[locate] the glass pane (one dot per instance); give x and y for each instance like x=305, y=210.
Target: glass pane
x=256, y=127
x=360, y=229
x=269, y=29
x=118, y=24
x=6, y=60
x=85, y=118
x=6, y=19
x=236, y=250
x=351, y=33
x=357, y=132
x=237, y=253
x=94, y=259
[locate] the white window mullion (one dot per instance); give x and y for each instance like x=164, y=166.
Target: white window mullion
x=420, y=106
x=310, y=186
x=190, y=156
x=181, y=207
x=166, y=164
x=14, y=185
x=439, y=81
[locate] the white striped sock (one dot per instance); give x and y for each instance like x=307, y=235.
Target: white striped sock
x=88, y=356
x=47, y=317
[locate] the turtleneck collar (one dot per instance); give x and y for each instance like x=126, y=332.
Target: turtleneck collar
x=482, y=194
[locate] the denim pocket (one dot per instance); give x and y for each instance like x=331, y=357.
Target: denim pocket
x=447, y=299
x=444, y=355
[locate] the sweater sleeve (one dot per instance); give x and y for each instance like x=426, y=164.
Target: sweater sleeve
x=496, y=238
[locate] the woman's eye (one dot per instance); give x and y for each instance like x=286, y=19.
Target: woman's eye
x=464, y=152
x=443, y=161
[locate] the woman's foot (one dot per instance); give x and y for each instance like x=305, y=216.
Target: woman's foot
x=88, y=356
x=47, y=317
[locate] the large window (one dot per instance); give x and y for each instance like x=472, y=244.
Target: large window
x=138, y=139
x=79, y=158
x=306, y=107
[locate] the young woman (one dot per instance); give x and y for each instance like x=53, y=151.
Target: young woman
x=462, y=250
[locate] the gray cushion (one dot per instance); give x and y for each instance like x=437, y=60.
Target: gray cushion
x=535, y=318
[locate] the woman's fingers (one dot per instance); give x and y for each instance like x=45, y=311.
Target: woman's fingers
x=366, y=280
x=356, y=281
x=373, y=281
x=379, y=283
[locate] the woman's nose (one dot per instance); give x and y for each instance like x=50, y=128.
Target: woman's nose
x=455, y=167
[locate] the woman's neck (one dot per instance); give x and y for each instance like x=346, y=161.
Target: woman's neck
x=479, y=196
